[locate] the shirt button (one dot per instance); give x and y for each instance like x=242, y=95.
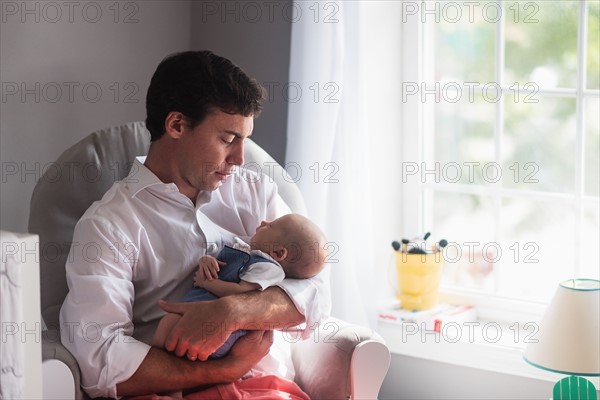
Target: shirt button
x=211, y=248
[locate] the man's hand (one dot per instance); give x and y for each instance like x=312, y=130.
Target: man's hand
x=204, y=326
x=251, y=348
x=202, y=329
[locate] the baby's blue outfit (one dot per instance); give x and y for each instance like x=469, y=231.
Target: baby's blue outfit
x=237, y=261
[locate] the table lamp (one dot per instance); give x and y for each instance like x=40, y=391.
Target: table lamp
x=568, y=339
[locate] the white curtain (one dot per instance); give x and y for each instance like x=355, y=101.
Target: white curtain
x=328, y=140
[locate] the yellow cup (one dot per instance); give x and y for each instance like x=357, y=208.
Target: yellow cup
x=418, y=279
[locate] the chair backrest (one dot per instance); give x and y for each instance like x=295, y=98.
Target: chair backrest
x=81, y=175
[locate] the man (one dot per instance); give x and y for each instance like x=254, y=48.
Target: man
x=183, y=202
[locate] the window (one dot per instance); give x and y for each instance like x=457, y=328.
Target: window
x=505, y=99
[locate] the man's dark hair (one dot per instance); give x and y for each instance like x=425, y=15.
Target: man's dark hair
x=196, y=83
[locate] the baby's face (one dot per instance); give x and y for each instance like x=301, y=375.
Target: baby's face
x=269, y=234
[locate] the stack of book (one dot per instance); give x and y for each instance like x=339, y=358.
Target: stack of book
x=432, y=319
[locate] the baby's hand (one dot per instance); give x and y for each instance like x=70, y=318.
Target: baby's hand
x=207, y=270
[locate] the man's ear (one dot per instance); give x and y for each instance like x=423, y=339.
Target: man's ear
x=279, y=253
x=175, y=124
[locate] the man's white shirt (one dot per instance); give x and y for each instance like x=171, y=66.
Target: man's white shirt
x=141, y=243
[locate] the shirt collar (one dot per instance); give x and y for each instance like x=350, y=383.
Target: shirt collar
x=240, y=244
x=141, y=178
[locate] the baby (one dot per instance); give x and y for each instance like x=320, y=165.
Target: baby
x=291, y=246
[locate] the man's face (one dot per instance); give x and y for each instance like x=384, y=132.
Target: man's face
x=209, y=152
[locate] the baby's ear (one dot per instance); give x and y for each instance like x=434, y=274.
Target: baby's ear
x=279, y=253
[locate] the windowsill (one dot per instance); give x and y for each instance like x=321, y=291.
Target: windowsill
x=472, y=350
x=489, y=344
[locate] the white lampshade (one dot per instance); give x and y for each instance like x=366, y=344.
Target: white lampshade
x=568, y=340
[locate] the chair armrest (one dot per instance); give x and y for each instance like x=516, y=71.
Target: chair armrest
x=52, y=349
x=332, y=364
x=368, y=367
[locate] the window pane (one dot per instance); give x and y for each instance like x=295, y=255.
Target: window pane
x=464, y=139
x=592, y=147
x=467, y=223
x=538, y=246
x=541, y=43
x=590, y=237
x=464, y=43
x=538, y=148
x=593, y=44
x=513, y=243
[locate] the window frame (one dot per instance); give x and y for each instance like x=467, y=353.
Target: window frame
x=417, y=204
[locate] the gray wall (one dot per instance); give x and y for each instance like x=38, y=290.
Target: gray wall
x=255, y=36
x=67, y=72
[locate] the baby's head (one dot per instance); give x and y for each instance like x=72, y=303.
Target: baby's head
x=295, y=242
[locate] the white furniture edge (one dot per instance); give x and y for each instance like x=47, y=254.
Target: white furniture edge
x=29, y=328
x=368, y=368
x=58, y=380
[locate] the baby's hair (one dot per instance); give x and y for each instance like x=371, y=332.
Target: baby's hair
x=306, y=245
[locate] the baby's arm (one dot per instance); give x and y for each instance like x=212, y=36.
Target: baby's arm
x=222, y=288
x=208, y=268
x=207, y=278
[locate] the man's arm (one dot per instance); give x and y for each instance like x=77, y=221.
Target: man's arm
x=161, y=371
x=204, y=326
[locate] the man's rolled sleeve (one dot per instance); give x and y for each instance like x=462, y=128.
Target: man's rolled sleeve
x=96, y=316
x=122, y=360
x=312, y=299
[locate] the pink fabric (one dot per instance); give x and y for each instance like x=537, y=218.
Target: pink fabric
x=268, y=387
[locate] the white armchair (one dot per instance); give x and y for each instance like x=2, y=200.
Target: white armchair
x=348, y=362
